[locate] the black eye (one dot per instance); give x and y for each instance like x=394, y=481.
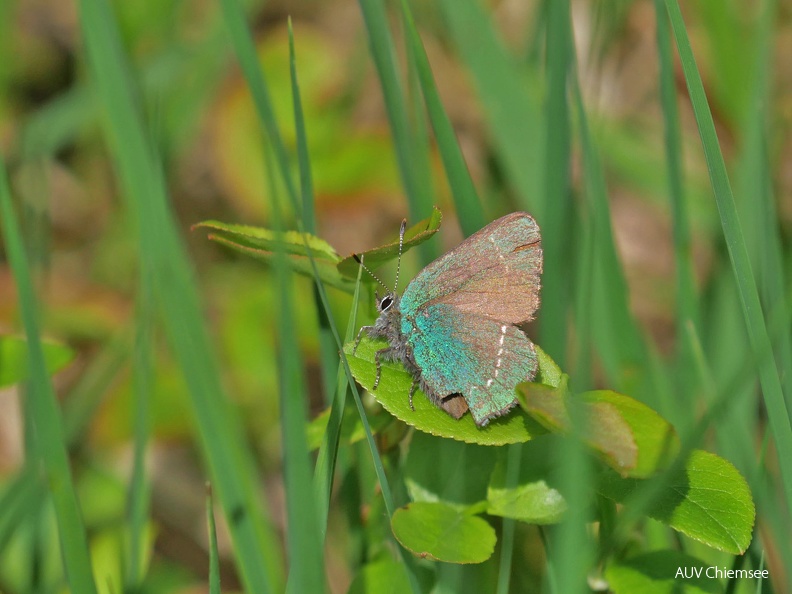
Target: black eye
x=386, y=302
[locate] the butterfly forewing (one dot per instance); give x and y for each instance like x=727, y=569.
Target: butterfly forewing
x=494, y=273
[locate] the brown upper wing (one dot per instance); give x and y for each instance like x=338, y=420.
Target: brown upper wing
x=494, y=273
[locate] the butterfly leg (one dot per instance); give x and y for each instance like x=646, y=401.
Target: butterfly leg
x=360, y=337
x=413, y=388
x=387, y=353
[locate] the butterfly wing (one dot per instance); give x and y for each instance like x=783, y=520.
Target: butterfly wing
x=471, y=355
x=459, y=313
x=494, y=273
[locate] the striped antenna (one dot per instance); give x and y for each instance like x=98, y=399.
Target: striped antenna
x=401, y=245
x=359, y=260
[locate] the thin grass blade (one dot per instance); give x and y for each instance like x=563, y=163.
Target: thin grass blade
x=512, y=110
x=245, y=49
x=618, y=340
x=304, y=543
x=229, y=459
x=214, y=557
x=382, y=51
x=328, y=451
x=557, y=248
x=139, y=487
x=686, y=311
x=732, y=229
x=328, y=349
x=43, y=411
x=468, y=206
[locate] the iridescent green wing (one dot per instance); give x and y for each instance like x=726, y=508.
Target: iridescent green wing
x=471, y=355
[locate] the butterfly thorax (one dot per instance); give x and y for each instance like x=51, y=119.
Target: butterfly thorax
x=388, y=326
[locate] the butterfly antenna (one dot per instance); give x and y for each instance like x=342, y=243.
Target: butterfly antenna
x=359, y=260
x=401, y=245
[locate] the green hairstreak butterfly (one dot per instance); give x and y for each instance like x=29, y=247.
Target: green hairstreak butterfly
x=456, y=327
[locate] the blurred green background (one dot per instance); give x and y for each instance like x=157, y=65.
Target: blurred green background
x=110, y=164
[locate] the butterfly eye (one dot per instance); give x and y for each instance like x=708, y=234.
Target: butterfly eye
x=386, y=302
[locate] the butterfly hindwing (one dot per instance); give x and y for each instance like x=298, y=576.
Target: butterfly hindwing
x=477, y=357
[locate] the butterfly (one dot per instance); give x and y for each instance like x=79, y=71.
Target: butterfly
x=456, y=328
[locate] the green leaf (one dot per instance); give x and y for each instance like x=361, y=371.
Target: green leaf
x=440, y=532
x=261, y=244
x=548, y=373
x=657, y=573
x=655, y=439
x=327, y=270
x=351, y=427
x=461, y=479
x=393, y=393
x=14, y=363
x=531, y=499
x=628, y=435
x=708, y=500
x=547, y=404
x=258, y=238
x=376, y=257
x=382, y=577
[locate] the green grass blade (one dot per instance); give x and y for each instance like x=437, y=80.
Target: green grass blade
x=383, y=52
x=385, y=488
x=306, y=180
x=85, y=398
x=513, y=113
x=572, y=549
x=214, y=557
x=304, y=544
x=328, y=451
x=325, y=464
x=753, y=179
x=420, y=142
x=328, y=349
x=24, y=493
x=139, y=488
x=304, y=206
x=757, y=211
x=749, y=296
x=686, y=301
x=230, y=461
x=324, y=469
x=557, y=209
x=583, y=312
x=22, y=497
x=617, y=338
x=245, y=49
x=379, y=469
x=513, y=456
x=468, y=206
x=43, y=410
